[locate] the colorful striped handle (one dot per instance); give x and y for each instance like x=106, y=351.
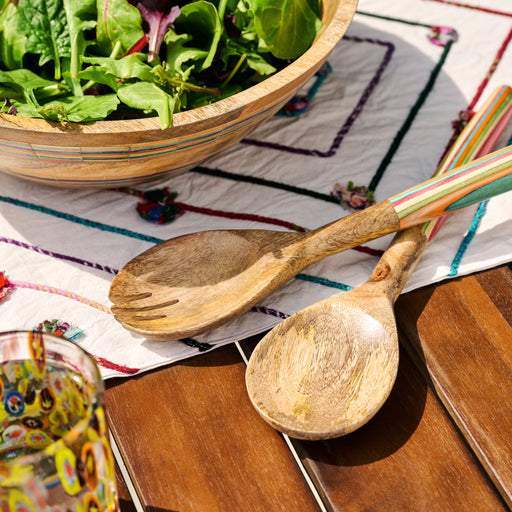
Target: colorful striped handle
x=478, y=138
x=471, y=183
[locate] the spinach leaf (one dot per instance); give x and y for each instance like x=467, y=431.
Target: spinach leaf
x=201, y=20
x=287, y=27
x=194, y=100
x=113, y=72
x=253, y=59
x=44, y=24
x=99, y=75
x=80, y=16
x=12, y=43
x=180, y=58
x=23, y=83
x=119, y=22
x=80, y=109
x=10, y=93
x=149, y=98
x=24, y=109
x=77, y=109
x=316, y=7
x=24, y=78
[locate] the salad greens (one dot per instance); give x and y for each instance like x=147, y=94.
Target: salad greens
x=87, y=60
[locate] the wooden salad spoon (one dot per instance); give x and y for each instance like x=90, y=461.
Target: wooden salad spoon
x=326, y=370
x=193, y=283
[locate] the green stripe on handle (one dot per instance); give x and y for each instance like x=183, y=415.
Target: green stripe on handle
x=485, y=192
x=471, y=183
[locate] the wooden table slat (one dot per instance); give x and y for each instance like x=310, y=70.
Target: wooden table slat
x=125, y=500
x=193, y=442
x=465, y=339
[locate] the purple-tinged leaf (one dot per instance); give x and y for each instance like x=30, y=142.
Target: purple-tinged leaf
x=159, y=18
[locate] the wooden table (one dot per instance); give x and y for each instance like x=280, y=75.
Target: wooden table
x=191, y=440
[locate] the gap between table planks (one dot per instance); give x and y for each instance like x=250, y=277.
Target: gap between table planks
x=192, y=442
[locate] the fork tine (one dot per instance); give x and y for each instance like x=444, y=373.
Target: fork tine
x=124, y=298
x=127, y=308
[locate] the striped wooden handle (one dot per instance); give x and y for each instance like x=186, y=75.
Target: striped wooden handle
x=471, y=183
x=478, y=138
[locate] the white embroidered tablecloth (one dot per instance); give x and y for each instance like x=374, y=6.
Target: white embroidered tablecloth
x=382, y=117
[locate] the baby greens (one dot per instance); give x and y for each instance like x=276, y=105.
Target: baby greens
x=86, y=60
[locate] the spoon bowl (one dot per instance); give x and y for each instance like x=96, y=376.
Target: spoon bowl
x=327, y=370
x=158, y=292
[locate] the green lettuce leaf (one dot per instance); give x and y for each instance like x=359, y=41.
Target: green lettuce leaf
x=113, y=72
x=44, y=24
x=180, y=58
x=80, y=109
x=80, y=16
x=288, y=27
x=23, y=83
x=149, y=98
x=201, y=20
x=12, y=43
x=118, y=21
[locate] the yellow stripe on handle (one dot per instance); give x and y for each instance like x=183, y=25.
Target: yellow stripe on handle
x=474, y=182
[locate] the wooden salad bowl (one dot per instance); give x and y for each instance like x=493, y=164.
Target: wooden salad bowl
x=126, y=152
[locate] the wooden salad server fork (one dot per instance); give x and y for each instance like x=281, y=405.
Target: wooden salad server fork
x=193, y=283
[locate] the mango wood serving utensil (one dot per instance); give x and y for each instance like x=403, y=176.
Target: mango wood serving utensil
x=193, y=283
x=326, y=370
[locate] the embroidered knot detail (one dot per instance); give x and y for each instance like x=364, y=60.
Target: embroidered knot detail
x=301, y=102
x=353, y=197
x=59, y=328
x=464, y=118
x=5, y=286
x=158, y=206
x=441, y=36
x=297, y=105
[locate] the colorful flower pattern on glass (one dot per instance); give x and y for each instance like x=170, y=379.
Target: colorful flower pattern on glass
x=53, y=437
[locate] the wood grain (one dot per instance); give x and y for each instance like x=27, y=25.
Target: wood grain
x=220, y=274
x=463, y=335
x=409, y=457
x=478, y=137
x=468, y=184
x=327, y=369
x=192, y=441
